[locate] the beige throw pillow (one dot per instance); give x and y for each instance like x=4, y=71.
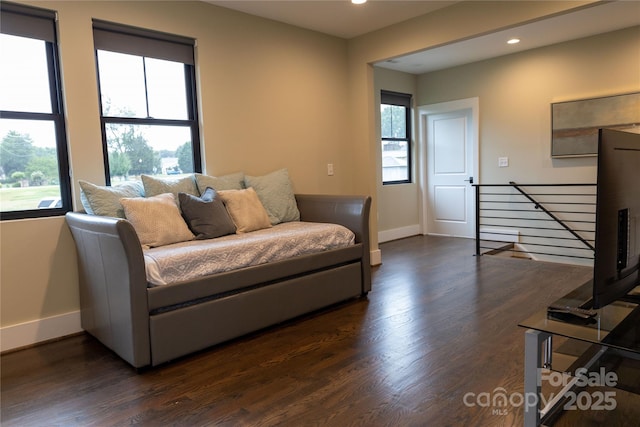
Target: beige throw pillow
x=245, y=209
x=157, y=220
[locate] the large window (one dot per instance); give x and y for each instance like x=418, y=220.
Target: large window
x=395, y=123
x=148, y=103
x=34, y=169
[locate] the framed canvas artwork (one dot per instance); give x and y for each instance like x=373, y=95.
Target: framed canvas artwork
x=575, y=124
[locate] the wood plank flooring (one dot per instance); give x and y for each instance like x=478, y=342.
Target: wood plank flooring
x=440, y=323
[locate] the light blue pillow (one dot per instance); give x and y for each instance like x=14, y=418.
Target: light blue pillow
x=105, y=200
x=232, y=181
x=275, y=191
x=154, y=186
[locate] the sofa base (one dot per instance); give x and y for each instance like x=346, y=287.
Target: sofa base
x=185, y=330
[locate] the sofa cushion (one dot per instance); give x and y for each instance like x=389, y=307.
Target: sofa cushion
x=276, y=194
x=233, y=181
x=189, y=261
x=105, y=200
x=245, y=209
x=156, y=219
x=206, y=215
x=154, y=186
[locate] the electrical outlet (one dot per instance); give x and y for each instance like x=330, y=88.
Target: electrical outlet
x=503, y=162
x=330, y=169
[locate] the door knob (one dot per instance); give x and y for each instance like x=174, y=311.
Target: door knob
x=470, y=180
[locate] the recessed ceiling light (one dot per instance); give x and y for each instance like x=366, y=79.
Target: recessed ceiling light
x=358, y=1
x=513, y=41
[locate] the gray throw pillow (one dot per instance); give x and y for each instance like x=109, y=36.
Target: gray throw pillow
x=206, y=215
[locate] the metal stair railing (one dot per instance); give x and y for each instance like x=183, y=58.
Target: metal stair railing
x=559, y=228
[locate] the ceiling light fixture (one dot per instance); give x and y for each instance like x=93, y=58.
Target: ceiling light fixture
x=358, y=1
x=513, y=41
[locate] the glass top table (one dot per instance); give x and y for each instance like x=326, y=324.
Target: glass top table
x=617, y=325
x=615, y=328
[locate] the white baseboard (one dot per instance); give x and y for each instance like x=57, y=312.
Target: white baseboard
x=376, y=257
x=399, y=233
x=35, y=331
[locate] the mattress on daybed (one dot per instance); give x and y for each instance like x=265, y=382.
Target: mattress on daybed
x=198, y=258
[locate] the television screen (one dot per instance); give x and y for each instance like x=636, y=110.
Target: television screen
x=617, y=256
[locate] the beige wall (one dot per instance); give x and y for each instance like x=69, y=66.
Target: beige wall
x=459, y=22
x=515, y=94
x=398, y=204
x=271, y=96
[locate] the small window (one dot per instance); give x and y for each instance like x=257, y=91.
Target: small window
x=395, y=130
x=148, y=105
x=34, y=168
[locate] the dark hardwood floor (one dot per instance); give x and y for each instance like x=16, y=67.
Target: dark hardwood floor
x=439, y=324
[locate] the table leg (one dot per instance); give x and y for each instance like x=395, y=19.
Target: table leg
x=533, y=362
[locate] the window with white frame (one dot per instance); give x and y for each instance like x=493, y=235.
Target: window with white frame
x=395, y=131
x=34, y=166
x=147, y=102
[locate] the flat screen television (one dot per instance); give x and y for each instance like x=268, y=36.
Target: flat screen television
x=616, y=269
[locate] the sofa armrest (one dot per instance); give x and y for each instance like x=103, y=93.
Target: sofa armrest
x=113, y=284
x=349, y=211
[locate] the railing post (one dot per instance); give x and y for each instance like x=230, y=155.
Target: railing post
x=477, y=187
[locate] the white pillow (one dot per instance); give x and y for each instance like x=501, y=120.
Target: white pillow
x=157, y=220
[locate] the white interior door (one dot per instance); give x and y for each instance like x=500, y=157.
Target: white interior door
x=450, y=166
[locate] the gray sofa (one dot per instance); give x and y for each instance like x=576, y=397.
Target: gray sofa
x=147, y=326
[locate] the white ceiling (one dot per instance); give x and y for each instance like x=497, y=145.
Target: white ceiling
x=336, y=17
x=345, y=20
x=583, y=23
